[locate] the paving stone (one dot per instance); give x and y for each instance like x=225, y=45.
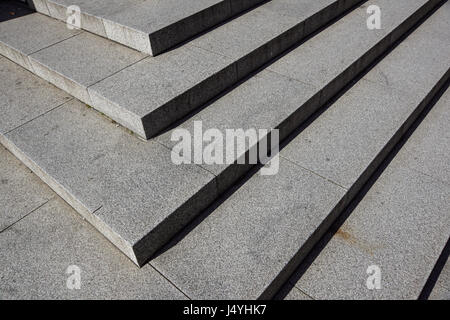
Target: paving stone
x=432, y=137
x=296, y=294
x=347, y=137
x=129, y=189
x=36, y=253
x=162, y=24
x=352, y=47
x=410, y=78
x=439, y=293
x=92, y=12
x=173, y=82
x=340, y=273
x=75, y=74
x=400, y=226
x=25, y=35
x=21, y=192
x=444, y=277
x=24, y=96
x=146, y=25
x=237, y=251
x=39, y=6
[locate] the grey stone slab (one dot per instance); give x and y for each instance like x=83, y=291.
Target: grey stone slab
x=159, y=90
x=162, y=24
x=78, y=62
x=401, y=226
x=340, y=273
x=347, y=137
x=297, y=295
x=241, y=247
x=36, y=252
x=265, y=101
x=412, y=77
x=24, y=96
x=150, y=26
x=355, y=49
x=431, y=137
x=265, y=32
x=247, y=32
x=21, y=192
x=127, y=188
x=25, y=35
x=439, y=293
x=39, y=6
x=444, y=276
x=403, y=221
x=92, y=12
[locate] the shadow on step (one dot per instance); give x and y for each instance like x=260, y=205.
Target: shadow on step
x=12, y=9
x=434, y=276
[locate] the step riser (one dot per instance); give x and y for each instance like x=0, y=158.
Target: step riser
x=158, y=41
x=284, y=276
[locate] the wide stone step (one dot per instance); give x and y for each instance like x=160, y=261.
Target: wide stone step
x=255, y=238
x=147, y=94
x=130, y=189
x=148, y=26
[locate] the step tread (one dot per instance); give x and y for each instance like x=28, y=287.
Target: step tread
x=249, y=240
x=147, y=25
x=401, y=225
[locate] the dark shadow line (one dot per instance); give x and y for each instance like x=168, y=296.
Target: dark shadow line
x=437, y=270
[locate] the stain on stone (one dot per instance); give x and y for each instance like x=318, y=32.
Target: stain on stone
x=351, y=239
x=4, y=181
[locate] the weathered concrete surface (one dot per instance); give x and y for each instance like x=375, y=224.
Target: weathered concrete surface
x=21, y=192
x=28, y=34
